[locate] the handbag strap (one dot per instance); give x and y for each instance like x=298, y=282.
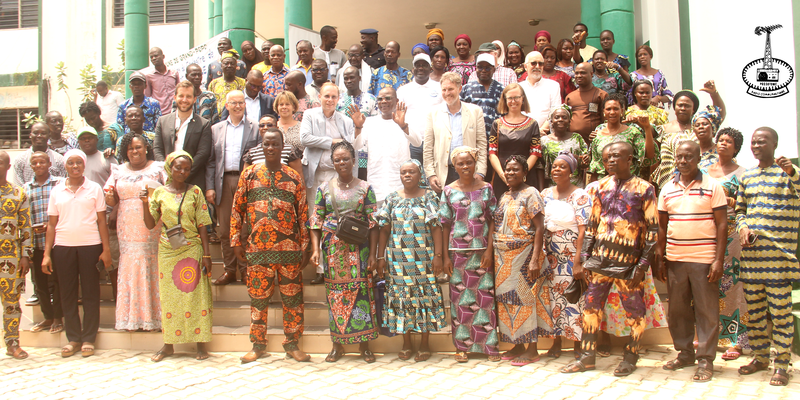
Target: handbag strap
x=332, y=186
x=180, y=206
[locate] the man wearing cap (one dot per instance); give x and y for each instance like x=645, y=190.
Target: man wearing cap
x=108, y=101
x=137, y=82
x=328, y=52
x=107, y=138
x=373, y=52
x=228, y=82
x=215, y=67
x=391, y=74
x=503, y=75
x=161, y=81
x=355, y=58
x=274, y=79
x=98, y=167
x=543, y=95
x=485, y=92
x=305, y=56
x=419, y=96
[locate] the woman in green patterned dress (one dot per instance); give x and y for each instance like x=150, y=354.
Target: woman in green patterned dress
x=183, y=273
x=347, y=267
x=409, y=222
x=561, y=139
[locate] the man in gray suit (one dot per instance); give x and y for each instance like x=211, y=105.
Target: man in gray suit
x=231, y=138
x=322, y=127
x=184, y=130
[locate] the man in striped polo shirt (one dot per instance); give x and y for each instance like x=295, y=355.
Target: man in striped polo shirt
x=767, y=216
x=693, y=229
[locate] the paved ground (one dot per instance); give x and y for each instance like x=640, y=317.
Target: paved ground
x=114, y=374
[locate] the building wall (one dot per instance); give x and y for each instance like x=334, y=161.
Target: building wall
x=26, y=39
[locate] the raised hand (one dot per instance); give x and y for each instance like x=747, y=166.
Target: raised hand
x=399, y=115
x=356, y=115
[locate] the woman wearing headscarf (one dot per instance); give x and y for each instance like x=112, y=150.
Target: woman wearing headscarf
x=732, y=306
x=420, y=48
x=523, y=306
x=413, y=298
x=500, y=52
x=467, y=206
x=566, y=214
x=515, y=58
x=77, y=236
x=541, y=39
x=435, y=38
x=705, y=125
x=183, y=279
x=464, y=62
x=250, y=55
x=138, y=304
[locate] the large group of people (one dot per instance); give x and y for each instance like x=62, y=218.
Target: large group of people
x=548, y=187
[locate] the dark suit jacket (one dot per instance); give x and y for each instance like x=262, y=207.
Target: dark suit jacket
x=266, y=108
x=197, y=143
x=216, y=163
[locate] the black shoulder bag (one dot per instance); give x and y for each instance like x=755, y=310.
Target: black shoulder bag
x=349, y=228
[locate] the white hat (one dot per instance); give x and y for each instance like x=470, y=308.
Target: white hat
x=487, y=57
x=422, y=56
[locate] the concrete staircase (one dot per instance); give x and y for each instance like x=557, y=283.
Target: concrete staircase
x=232, y=319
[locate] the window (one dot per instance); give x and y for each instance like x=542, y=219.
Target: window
x=161, y=11
x=15, y=14
x=12, y=128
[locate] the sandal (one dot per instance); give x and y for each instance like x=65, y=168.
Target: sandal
x=553, y=353
x=496, y=358
x=405, y=354
x=779, y=378
x=604, y=350
x=40, y=327
x=624, y=368
x=422, y=355
x=510, y=355
x=731, y=354
x=368, y=356
x=753, y=367
x=56, y=328
x=462, y=357
x=334, y=356
x=87, y=349
x=520, y=361
x=704, y=372
x=18, y=353
x=69, y=349
x=160, y=355
x=676, y=364
x=577, y=366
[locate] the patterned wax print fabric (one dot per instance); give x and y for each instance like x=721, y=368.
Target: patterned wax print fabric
x=275, y=83
x=138, y=303
x=708, y=158
x=659, y=81
x=507, y=139
x=348, y=285
x=366, y=102
x=152, y=112
x=552, y=147
x=70, y=142
x=487, y=100
x=567, y=70
x=523, y=305
x=383, y=77
x=632, y=135
x=15, y=242
x=472, y=310
x=732, y=304
x=413, y=298
x=658, y=116
x=611, y=84
x=220, y=87
x=560, y=245
x=186, y=306
x=669, y=143
x=463, y=68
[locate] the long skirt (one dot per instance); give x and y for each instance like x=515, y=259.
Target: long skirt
x=733, y=315
x=567, y=317
x=186, y=304
x=349, y=289
x=472, y=307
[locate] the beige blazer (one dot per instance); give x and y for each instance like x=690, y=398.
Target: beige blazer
x=436, y=148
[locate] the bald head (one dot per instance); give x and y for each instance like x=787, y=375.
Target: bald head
x=4, y=158
x=297, y=77
x=583, y=75
x=691, y=146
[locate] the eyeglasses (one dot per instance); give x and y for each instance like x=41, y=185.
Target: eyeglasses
x=387, y=98
x=266, y=125
x=513, y=98
x=318, y=69
x=535, y=63
x=236, y=103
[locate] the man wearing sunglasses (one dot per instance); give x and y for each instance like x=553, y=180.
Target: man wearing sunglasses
x=544, y=95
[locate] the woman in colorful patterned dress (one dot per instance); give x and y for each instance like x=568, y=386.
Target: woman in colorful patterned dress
x=464, y=61
x=615, y=131
x=466, y=213
x=138, y=303
x=732, y=305
x=521, y=290
x=413, y=298
x=347, y=267
x=566, y=213
x=608, y=75
x=514, y=133
x=183, y=279
x=661, y=95
x=562, y=140
x=515, y=57
x=705, y=124
x=641, y=104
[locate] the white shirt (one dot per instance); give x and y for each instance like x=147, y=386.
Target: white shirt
x=180, y=130
x=543, y=97
x=366, y=77
x=234, y=134
x=420, y=100
x=333, y=132
x=109, y=106
x=387, y=146
x=252, y=107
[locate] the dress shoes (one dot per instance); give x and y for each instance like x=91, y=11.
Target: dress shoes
x=226, y=278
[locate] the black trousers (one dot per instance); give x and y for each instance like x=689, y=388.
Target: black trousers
x=46, y=285
x=78, y=266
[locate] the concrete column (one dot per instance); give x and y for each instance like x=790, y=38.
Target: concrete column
x=617, y=16
x=296, y=12
x=210, y=18
x=239, y=16
x=137, y=37
x=217, y=17
x=590, y=16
